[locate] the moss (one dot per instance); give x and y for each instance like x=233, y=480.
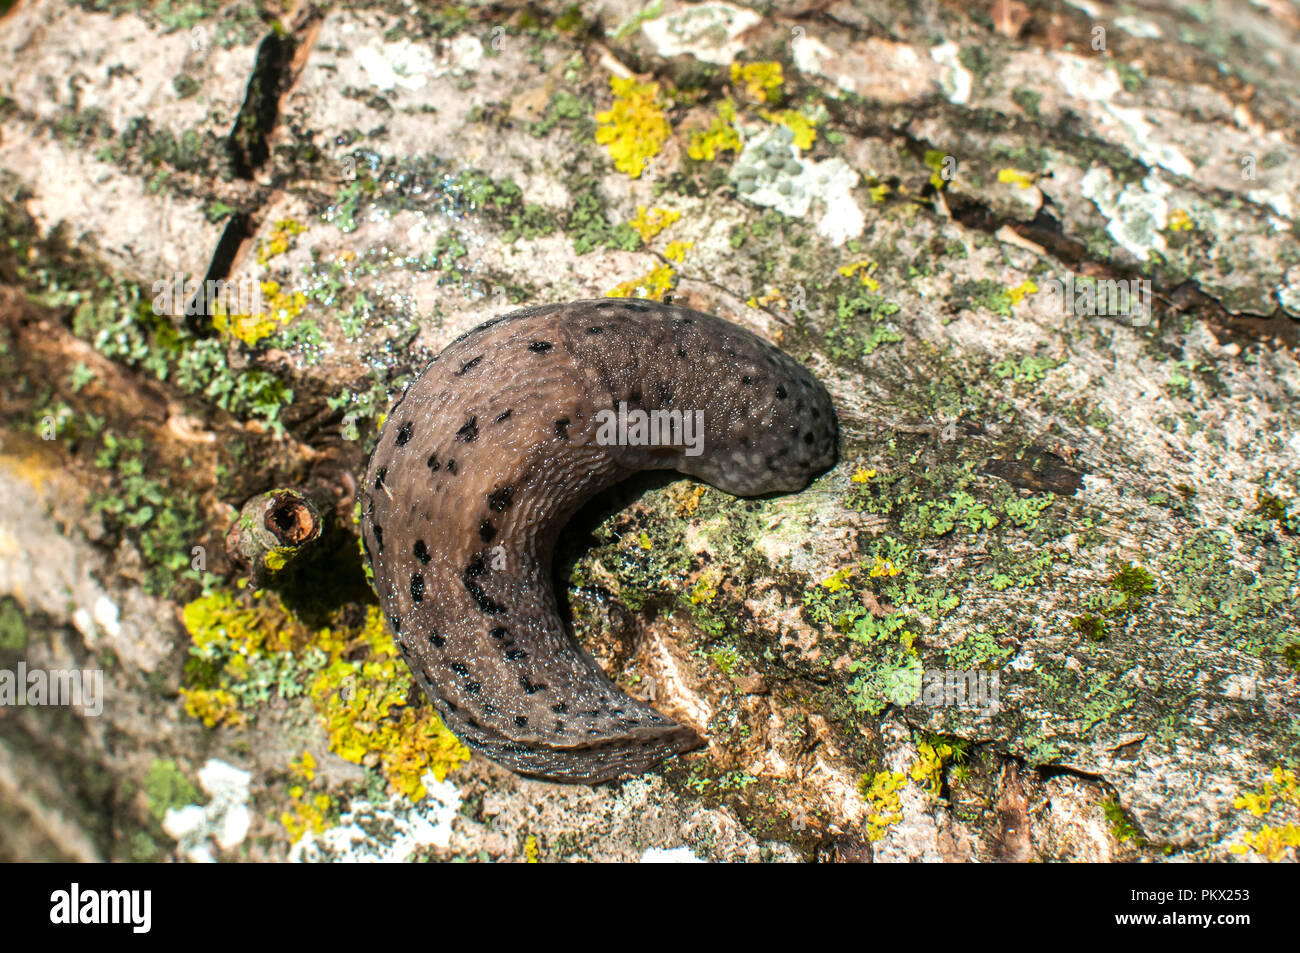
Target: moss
x=861, y=326
x=588, y=225
x=1089, y=626
x=564, y=109
x=13, y=626
x=1122, y=827
x=163, y=523
x=165, y=786
x=1028, y=100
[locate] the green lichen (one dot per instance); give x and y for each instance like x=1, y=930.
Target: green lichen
x=165, y=786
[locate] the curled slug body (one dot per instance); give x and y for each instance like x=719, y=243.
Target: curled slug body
x=493, y=448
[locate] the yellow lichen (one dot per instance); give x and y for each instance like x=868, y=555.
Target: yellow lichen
x=862, y=476
x=705, y=589
x=1021, y=291
x=364, y=704
x=927, y=770
x=1272, y=842
x=531, y=851
x=804, y=129
x=279, y=241
x=1015, y=177
x=280, y=307
x=878, y=192
x=657, y=283
x=314, y=813
x=721, y=135
x=773, y=296
x=1180, y=221
x=838, y=580
x=213, y=707
x=1281, y=793
x=881, y=794
x=634, y=129
x=762, y=81
x=360, y=685
x=884, y=567
x=676, y=251
x=863, y=270
x=650, y=222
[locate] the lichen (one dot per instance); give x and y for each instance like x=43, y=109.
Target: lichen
x=1280, y=795
x=885, y=805
x=720, y=136
x=634, y=128
x=762, y=81
x=245, y=650
x=655, y=284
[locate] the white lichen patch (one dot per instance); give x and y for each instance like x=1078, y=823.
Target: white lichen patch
x=771, y=172
x=1136, y=26
x=1099, y=87
x=1134, y=216
x=410, y=65
x=1288, y=291
x=223, y=820
x=955, y=79
x=673, y=855
x=387, y=833
x=708, y=32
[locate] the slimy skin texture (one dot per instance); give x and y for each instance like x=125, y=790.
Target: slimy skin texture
x=489, y=453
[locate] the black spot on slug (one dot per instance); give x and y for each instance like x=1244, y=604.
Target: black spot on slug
x=451, y=467
x=421, y=551
x=433, y=461
x=380, y=474
x=500, y=632
x=459, y=668
x=437, y=640
x=417, y=587
x=468, y=432
x=515, y=655
x=469, y=365
x=781, y=392
x=470, y=578
x=530, y=688
x=486, y=531
x=521, y=721
x=500, y=499
x=562, y=428
x=403, y=434
x=539, y=347
x=502, y=416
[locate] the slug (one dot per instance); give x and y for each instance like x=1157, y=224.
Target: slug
x=496, y=444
